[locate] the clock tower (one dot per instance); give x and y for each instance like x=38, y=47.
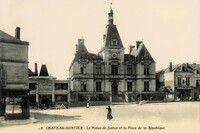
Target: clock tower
x=113, y=49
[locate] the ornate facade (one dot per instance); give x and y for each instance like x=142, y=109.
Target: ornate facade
x=46, y=91
x=111, y=73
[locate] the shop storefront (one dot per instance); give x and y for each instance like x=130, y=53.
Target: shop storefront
x=15, y=104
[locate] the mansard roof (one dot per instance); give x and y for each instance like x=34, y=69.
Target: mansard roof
x=111, y=33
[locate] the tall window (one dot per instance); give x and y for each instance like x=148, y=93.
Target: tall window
x=197, y=71
x=98, y=86
x=129, y=69
x=146, y=70
x=146, y=85
x=83, y=86
x=198, y=83
x=83, y=68
x=179, y=80
x=187, y=81
x=129, y=86
x=114, y=69
x=98, y=69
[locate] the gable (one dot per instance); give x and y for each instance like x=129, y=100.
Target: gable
x=141, y=53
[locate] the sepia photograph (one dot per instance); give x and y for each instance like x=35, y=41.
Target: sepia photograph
x=98, y=66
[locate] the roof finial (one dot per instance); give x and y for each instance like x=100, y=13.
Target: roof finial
x=110, y=16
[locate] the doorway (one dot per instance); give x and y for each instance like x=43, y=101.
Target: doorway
x=114, y=88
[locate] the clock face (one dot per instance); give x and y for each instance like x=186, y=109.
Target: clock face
x=114, y=55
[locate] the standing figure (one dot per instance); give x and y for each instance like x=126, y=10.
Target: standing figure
x=88, y=103
x=109, y=115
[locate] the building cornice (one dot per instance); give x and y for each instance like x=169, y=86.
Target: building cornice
x=15, y=42
x=13, y=61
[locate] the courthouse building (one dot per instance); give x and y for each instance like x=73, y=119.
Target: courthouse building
x=14, y=103
x=111, y=74
x=46, y=91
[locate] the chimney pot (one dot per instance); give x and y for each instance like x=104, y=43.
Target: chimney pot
x=138, y=44
x=17, y=32
x=170, y=66
x=104, y=37
x=36, y=70
x=131, y=48
x=80, y=41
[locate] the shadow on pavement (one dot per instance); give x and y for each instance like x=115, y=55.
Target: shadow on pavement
x=48, y=118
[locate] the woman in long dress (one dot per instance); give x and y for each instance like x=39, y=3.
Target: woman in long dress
x=109, y=114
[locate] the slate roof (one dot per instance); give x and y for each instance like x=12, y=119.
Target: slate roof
x=6, y=38
x=179, y=68
x=44, y=71
x=139, y=52
x=112, y=33
x=129, y=57
x=30, y=73
x=4, y=35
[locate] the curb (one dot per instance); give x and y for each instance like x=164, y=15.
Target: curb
x=31, y=120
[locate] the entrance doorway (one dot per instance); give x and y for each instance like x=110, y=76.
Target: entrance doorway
x=45, y=100
x=114, y=88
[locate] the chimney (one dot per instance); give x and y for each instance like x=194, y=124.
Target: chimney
x=76, y=47
x=187, y=65
x=131, y=48
x=36, y=70
x=104, y=37
x=138, y=44
x=170, y=66
x=80, y=41
x=17, y=32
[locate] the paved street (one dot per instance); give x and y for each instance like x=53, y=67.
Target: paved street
x=178, y=117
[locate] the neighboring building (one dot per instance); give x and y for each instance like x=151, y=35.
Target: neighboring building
x=183, y=80
x=14, y=103
x=46, y=91
x=111, y=74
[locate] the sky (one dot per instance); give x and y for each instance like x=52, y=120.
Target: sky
x=170, y=29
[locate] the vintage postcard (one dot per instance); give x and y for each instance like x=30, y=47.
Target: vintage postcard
x=85, y=66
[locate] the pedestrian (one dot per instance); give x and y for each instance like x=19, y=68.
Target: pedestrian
x=88, y=103
x=109, y=114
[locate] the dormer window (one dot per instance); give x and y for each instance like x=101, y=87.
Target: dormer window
x=114, y=42
x=183, y=68
x=197, y=71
